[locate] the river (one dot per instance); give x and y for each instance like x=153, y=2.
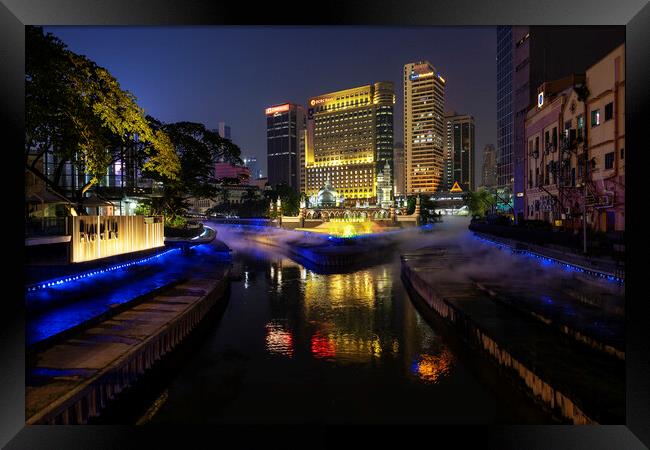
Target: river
x=295, y=345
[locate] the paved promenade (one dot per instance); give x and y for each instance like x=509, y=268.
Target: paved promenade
x=73, y=379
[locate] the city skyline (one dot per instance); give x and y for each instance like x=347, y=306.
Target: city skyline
x=148, y=60
x=150, y=247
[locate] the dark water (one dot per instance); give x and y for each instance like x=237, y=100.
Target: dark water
x=295, y=345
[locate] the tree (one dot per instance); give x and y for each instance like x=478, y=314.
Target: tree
x=289, y=198
x=410, y=205
x=224, y=194
x=197, y=148
x=249, y=195
x=480, y=202
x=77, y=111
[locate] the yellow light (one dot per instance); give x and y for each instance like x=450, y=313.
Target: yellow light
x=95, y=237
x=277, y=109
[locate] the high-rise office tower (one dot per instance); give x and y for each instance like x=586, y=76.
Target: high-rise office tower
x=505, y=118
x=399, y=169
x=489, y=172
x=526, y=57
x=459, y=152
x=350, y=140
x=285, y=132
x=424, y=97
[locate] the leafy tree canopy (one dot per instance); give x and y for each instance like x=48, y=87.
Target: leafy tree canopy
x=77, y=110
x=480, y=202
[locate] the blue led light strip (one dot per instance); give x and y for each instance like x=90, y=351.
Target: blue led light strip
x=554, y=261
x=58, y=282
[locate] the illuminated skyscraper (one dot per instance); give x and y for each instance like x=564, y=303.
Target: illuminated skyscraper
x=424, y=97
x=351, y=140
x=285, y=134
x=459, y=152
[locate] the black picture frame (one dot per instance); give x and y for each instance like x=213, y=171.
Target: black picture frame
x=633, y=14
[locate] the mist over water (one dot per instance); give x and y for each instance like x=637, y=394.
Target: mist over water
x=299, y=345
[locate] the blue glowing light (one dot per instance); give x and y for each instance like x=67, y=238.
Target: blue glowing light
x=46, y=284
x=548, y=261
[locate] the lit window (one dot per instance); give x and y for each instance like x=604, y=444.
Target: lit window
x=595, y=117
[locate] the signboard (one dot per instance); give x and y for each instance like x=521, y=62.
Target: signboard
x=540, y=99
x=318, y=101
x=277, y=109
x=455, y=187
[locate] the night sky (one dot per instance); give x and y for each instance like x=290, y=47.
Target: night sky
x=231, y=74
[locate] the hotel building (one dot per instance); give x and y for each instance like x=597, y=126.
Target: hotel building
x=350, y=140
x=424, y=96
x=285, y=138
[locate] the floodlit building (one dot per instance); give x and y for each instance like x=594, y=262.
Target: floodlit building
x=424, y=96
x=350, y=140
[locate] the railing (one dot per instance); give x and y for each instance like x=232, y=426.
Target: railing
x=46, y=226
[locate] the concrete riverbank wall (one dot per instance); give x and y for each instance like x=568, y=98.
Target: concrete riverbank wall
x=577, y=386
x=75, y=379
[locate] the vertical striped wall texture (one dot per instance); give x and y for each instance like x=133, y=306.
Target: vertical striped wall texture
x=95, y=237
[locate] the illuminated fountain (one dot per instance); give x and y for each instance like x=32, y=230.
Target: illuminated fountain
x=348, y=227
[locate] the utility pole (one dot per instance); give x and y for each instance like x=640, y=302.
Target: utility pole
x=583, y=93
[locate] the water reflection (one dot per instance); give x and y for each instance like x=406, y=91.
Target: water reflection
x=335, y=347
x=351, y=319
x=278, y=339
x=431, y=368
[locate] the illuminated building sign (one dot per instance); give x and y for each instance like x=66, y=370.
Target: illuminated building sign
x=95, y=237
x=277, y=109
x=455, y=187
x=520, y=194
x=416, y=76
x=540, y=99
x=318, y=101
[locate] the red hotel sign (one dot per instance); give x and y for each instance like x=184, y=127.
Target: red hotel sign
x=277, y=109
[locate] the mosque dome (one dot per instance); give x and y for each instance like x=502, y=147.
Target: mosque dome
x=327, y=196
